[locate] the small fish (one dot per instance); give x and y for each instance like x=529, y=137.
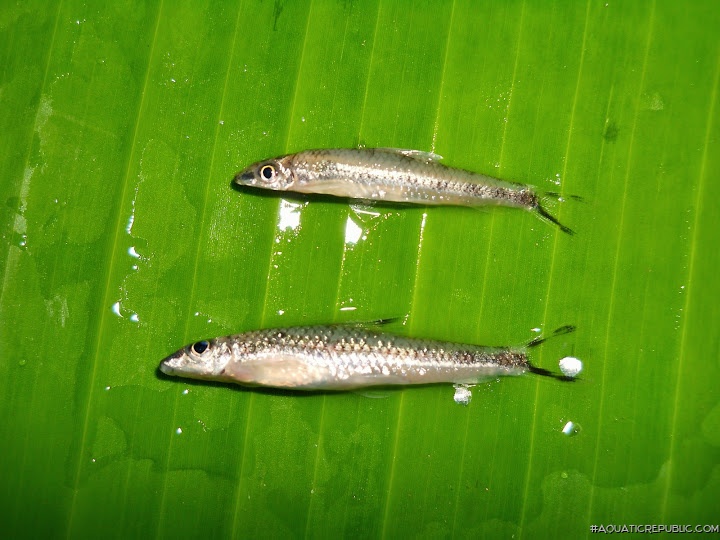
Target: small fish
x=389, y=174
x=342, y=357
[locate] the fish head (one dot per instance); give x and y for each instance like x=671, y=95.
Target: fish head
x=268, y=174
x=204, y=359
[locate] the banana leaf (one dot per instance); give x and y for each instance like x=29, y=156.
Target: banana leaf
x=123, y=124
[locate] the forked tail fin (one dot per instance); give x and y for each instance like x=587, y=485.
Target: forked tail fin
x=567, y=329
x=544, y=214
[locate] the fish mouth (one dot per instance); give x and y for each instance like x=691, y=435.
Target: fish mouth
x=172, y=364
x=245, y=178
x=166, y=366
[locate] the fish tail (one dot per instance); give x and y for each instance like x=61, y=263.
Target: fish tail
x=537, y=205
x=561, y=331
x=556, y=195
x=547, y=373
x=544, y=214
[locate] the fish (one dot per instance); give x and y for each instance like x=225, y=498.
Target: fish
x=345, y=357
x=392, y=175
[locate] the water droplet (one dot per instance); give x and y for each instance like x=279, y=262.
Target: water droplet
x=186, y=392
x=20, y=239
x=571, y=429
x=570, y=366
x=178, y=431
x=133, y=253
x=463, y=395
x=22, y=362
x=346, y=305
x=107, y=388
x=302, y=119
x=280, y=311
x=120, y=312
x=353, y=232
x=222, y=122
x=131, y=219
x=289, y=217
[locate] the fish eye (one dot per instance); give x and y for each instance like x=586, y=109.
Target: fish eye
x=267, y=172
x=199, y=347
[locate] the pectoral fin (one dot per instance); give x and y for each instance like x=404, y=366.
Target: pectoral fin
x=276, y=370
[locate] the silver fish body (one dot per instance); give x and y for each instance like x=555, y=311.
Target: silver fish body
x=340, y=357
x=386, y=174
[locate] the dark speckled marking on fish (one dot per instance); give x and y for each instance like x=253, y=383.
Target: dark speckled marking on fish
x=341, y=357
x=387, y=174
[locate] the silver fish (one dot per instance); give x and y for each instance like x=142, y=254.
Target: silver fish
x=389, y=174
x=341, y=357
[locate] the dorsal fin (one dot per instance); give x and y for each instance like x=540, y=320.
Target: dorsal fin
x=377, y=324
x=428, y=157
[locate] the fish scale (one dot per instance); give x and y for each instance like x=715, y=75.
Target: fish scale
x=391, y=175
x=340, y=357
x=387, y=175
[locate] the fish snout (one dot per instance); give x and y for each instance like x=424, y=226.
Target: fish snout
x=245, y=178
x=169, y=365
x=172, y=364
x=167, y=368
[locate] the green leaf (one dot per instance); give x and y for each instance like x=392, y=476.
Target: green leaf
x=123, y=126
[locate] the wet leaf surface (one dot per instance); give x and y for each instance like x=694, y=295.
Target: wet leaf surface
x=123, y=240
